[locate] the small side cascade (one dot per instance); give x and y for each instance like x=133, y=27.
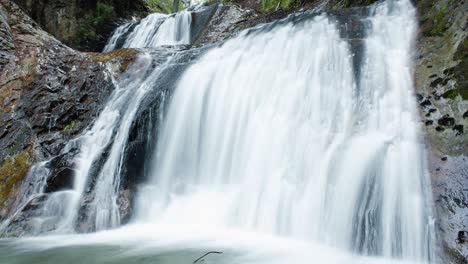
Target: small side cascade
x=153, y=31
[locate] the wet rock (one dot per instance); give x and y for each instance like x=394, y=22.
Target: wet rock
x=459, y=129
x=442, y=47
x=62, y=180
x=446, y=121
x=49, y=94
x=462, y=237
x=425, y=103
x=125, y=205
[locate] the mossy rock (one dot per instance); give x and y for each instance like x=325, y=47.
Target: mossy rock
x=163, y=6
x=272, y=5
x=123, y=56
x=12, y=172
x=452, y=94
x=72, y=126
x=439, y=22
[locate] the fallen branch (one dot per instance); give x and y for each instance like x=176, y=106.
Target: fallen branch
x=211, y=252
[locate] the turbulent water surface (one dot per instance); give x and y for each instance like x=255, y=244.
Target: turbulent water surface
x=277, y=146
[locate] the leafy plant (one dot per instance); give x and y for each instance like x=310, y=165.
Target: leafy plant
x=104, y=13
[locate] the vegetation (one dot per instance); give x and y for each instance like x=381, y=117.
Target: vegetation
x=104, y=13
x=163, y=6
x=125, y=57
x=71, y=126
x=12, y=171
x=273, y=5
x=452, y=94
x=439, y=25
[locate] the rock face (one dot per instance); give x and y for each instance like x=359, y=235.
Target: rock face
x=442, y=86
x=49, y=93
x=81, y=24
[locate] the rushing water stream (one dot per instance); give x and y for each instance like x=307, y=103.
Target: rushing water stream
x=276, y=147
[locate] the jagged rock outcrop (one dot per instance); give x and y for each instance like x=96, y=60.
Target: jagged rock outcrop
x=81, y=24
x=49, y=93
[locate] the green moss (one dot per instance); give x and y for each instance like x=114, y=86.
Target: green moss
x=71, y=126
x=452, y=94
x=124, y=56
x=272, y=5
x=12, y=171
x=162, y=6
x=439, y=23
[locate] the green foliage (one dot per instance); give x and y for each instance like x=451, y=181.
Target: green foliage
x=273, y=5
x=162, y=6
x=104, y=13
x=87, y=32
x=439, y=23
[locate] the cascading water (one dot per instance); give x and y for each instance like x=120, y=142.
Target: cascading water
x=153, y=31
x=279, y=136
x=272, y=132
x=110, y=129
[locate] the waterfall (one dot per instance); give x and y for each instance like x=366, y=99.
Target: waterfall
x=153, y=31
x=110, y=130
x=290, y=131
x=273, y=132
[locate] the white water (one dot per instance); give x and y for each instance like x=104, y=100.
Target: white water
x=272, y=150
x=111, y=128
x=272, y=133
x=153, y=31
x=36, y=180
x=118, y=33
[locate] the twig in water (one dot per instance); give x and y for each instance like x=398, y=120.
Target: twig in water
x=211, y=252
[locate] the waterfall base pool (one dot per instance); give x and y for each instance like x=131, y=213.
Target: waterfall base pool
x=144, y=244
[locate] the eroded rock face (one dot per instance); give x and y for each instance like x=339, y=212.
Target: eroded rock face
x=442, y=87
x=49, y=93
